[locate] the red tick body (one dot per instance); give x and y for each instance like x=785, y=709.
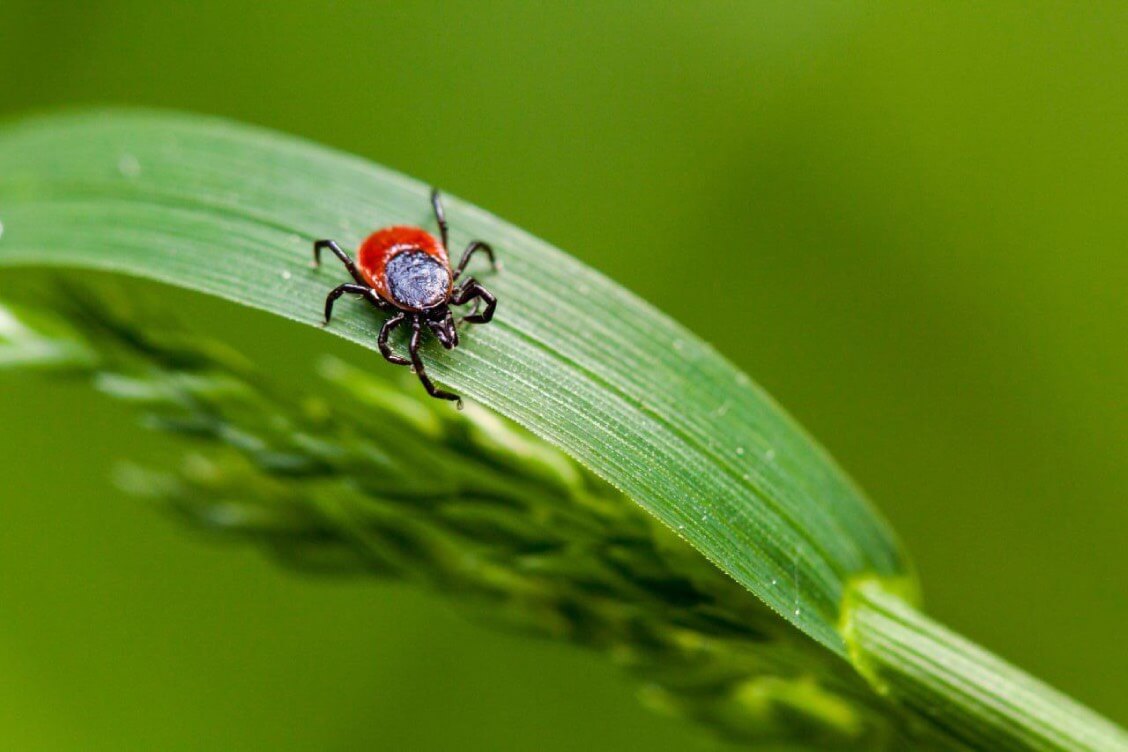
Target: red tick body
x=384, y=245
x=406, y=271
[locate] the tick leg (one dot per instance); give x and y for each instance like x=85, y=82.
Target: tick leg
x=337, y=292
x=472, y=290
x=421, y=372
x=471, y=249
x=375, y=299
x=473, y=311
x=440, y=215
x=344, y=257
x=382, y=340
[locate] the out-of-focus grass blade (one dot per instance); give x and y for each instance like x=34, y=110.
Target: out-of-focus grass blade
x=232, y=211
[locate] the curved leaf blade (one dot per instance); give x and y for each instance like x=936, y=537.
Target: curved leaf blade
x=232, y=211
x=971, y=695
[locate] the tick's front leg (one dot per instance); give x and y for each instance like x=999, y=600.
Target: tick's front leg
x=382, y=340
x=421, y=372
x=472, y=290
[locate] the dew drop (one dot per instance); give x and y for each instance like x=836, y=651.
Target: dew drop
x=740, y=451
x=128, y=166
x=769, y=455
x=286, y=274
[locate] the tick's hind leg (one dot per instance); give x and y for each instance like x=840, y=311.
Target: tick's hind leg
x=337, y=292
x=382, y=340
x=421, y=372
x=344, y=257
x=471, y=289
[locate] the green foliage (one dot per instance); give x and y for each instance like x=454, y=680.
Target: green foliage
x=399, y=486
x=362, y=477
x=641, y=401
x=977, y=698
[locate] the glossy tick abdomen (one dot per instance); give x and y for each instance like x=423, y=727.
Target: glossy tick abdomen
x=416, y=280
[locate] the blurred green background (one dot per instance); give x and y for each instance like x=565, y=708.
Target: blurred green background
x=922, y=210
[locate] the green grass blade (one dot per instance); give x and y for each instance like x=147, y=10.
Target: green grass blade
x=968, y=693
x=647, y=406
x=232, y=211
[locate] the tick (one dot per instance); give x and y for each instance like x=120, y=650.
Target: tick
x=405, y=271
